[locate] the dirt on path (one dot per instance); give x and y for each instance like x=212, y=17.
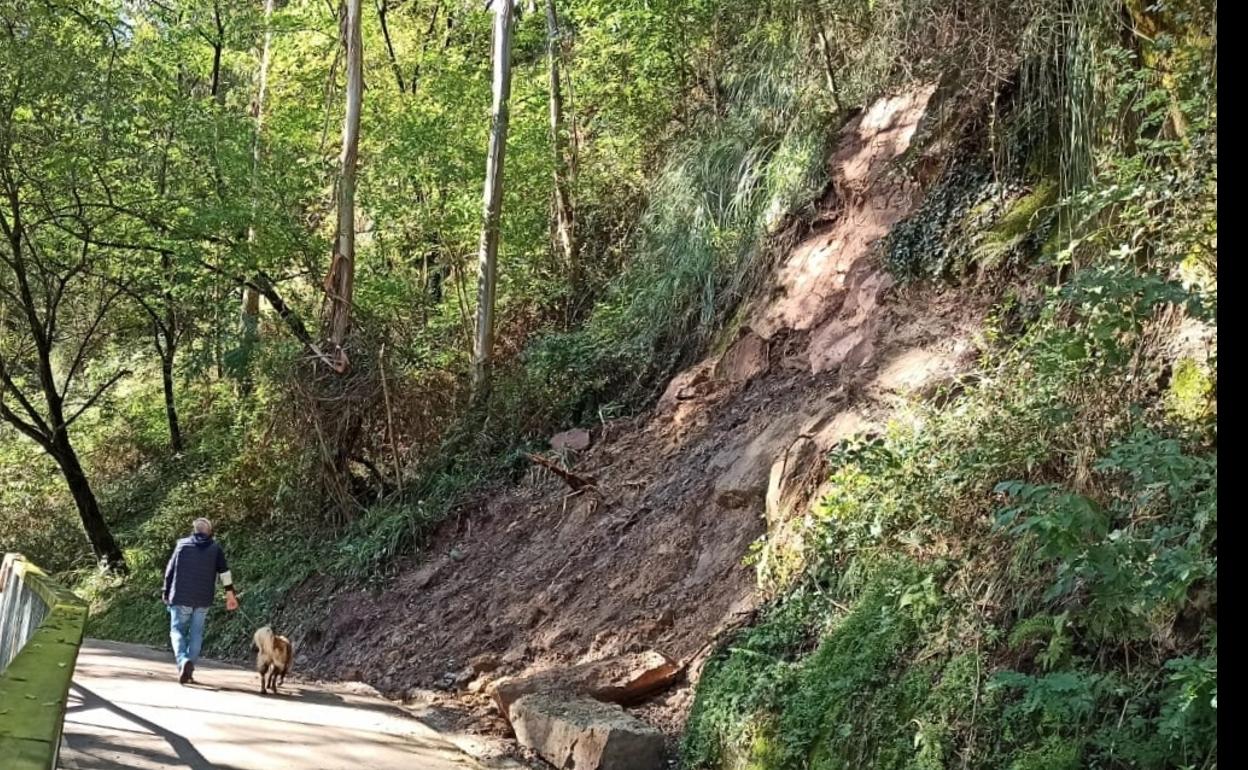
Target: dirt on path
x=127, y=710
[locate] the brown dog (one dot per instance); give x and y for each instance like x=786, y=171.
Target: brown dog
x=274, y=656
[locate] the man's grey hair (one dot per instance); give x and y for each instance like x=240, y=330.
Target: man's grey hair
x=202, y=526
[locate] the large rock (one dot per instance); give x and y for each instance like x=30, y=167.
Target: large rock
x=691, y=384
x=832, y=430
x=575, y=440
x=791, y=476
x=917, y=371
x=625, y=679
x=746, y=468
x=745, y=360
x=583, y=734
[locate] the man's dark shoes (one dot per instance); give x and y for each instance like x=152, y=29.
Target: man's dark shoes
x=188, y=668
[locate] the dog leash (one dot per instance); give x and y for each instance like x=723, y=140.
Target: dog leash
x=245, y=615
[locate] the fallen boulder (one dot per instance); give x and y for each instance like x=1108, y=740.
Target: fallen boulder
x=745, y=360
x=575, y=440
x=690, y=384
x=790, y=476
x=583, y=734
x=625, y=679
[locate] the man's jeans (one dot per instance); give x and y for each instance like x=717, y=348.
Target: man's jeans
x=186, y=631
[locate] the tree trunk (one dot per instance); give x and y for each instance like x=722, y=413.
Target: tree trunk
x=487, y=268
x=424, y=44
x=382, y=9
x=340, y=282
x=249, y=321
x=564, y=222
x=102, y=542
x=50, y=429
x=165, y=329
x=218, y=46
x=168, y=353
x=171, y=409
x=215, y=89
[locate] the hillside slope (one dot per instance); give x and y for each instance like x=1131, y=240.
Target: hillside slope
x=652, y=558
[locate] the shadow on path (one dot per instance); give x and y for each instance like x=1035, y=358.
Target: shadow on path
x=89, y=745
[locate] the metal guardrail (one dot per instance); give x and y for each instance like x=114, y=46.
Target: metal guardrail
x=41, y=628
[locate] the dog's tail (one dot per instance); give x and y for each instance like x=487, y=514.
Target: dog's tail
x=263, y=640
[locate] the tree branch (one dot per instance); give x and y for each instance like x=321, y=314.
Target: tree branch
x=91, y=401
x=382, y=9
x=262, y=284
x=55, y=296
x=152, y=313
x=81, y=354
x=24, y=427
x=38, y=423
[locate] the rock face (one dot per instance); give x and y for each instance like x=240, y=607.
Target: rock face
x=626, y=679
x=582, y=734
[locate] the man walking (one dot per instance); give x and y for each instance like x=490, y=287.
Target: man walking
x=190, y=586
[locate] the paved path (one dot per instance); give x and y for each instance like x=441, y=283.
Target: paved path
x=127, y=710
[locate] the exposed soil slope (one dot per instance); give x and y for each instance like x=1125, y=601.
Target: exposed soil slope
x=534, y=577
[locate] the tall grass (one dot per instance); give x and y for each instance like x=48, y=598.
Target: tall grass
x=755, y=158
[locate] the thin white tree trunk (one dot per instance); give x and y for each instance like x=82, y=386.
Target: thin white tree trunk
x=340, y=282
x=563, y=199
x=487, y=268
x=251, y=298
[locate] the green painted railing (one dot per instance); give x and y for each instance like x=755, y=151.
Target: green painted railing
x=41, y=626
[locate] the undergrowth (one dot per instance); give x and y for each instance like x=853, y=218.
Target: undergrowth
x=715, y=210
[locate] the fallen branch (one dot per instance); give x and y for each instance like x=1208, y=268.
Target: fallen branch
x=576, y=482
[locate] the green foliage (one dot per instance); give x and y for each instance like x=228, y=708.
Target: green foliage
x=1137, y=561
x=697, y=130
x=970, y=220
x=794, y=698
x=923, y=245
x=35, y=516
x=1026, y=222
x=261, y=517
x=1116, y=569
x=1190, y=391
x=1051, y=631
